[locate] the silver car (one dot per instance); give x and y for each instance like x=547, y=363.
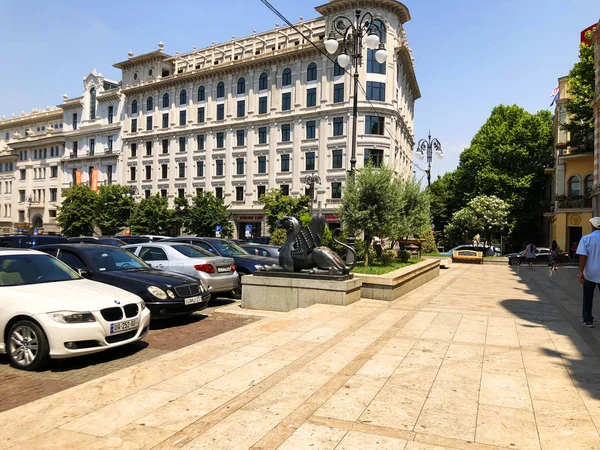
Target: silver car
x=217, y=273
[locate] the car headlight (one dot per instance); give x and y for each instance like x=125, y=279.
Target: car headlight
x=259, y=267
x=157, y=292
x=170, y=293
x=72, y=317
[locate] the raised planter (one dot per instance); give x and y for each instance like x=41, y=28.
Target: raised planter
x=395, y=284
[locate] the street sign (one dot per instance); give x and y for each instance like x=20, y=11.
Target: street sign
x=248, y=231
x=218, y=230
x=35, y=231
x=21, y=230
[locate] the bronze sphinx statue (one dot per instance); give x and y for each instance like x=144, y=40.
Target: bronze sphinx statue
x=302, y=250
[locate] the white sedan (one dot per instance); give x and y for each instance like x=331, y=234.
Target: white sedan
x=49, y=311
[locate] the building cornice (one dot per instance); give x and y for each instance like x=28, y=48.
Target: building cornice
x=106, y=96
x=38, y=140
x=31, y=119
x=232, y=67
x=72, y=103
x=92, y=130
x=340, y=6
x=405, y=57
x=133, y=61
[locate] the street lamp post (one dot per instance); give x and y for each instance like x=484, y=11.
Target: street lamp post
x=31, y=199
x=352, y=34
x=428, y=147
x=310, y=181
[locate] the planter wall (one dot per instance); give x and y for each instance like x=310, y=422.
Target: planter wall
x=395, y=284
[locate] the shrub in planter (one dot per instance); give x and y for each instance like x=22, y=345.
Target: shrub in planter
x=388, y=257
x=404, y=256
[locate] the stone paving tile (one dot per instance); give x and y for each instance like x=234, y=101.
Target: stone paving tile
x=452, y=365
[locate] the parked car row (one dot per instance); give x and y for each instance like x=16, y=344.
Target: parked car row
x=68, y=297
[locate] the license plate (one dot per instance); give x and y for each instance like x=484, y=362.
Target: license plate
x=223, y=269
x=123, y=326
x=192, y=300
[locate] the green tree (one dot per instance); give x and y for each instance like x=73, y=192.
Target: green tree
x=278, y=237
x=371, y=203
x=113, y=208
x=277, y=206
x=429, y=245
x=205, y=212
x=581, y=93
x=151, y=216
x=484, y=216
x=414, y=218
x=77, y=212
x=506, y=159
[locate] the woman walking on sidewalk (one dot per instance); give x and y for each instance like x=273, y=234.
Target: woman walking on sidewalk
x=530, y=254
x=554, y=255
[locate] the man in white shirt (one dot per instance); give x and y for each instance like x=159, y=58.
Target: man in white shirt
x=589, y=270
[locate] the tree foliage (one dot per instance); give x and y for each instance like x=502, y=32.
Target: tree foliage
x=278, y=237
x=205, y=212
x=581, y=93
x=414, y=217
x=277, y=206
x=151, y=216
x=483, y=217
x=77, y=213
x=506, y=159
x=114, y=208
x=429, y=245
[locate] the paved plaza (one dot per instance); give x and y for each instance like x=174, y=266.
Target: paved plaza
x=483, y=357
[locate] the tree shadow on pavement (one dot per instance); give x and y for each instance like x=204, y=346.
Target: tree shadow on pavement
x=557, y=307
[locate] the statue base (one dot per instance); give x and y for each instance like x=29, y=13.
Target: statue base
x=284, y=291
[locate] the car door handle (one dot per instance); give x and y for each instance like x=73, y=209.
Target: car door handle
x=160, y=266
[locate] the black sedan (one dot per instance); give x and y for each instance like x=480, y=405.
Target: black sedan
x=271, y=251
x=542, y=256
x=166, y=294
x=245, y=263
x=102, y=240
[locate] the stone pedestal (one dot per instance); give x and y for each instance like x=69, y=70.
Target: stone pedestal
x=277, y=293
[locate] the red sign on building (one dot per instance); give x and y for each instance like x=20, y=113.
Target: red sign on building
x=586, y=31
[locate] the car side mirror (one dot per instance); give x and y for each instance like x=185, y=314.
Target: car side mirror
x=83, y=273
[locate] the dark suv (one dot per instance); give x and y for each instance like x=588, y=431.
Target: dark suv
x=30, y=240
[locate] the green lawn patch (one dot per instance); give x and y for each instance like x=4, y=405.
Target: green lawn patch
x=432, y=254
x=376, y=268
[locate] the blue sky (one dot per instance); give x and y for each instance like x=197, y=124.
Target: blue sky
x=470, y=55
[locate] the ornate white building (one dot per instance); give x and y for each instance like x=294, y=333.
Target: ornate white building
x=241, y=118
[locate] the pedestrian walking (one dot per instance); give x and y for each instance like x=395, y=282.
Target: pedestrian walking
x=530, y=254
x=554, y=255
x=589, y=270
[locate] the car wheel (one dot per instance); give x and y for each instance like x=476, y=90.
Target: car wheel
x=515, y=262
x=28, y=347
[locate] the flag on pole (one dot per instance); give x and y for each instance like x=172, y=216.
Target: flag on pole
x=555, y=91
x=555, y=99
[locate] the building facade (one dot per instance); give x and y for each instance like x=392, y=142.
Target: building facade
x=596, y=106
x=236, y=119
x=573, y=180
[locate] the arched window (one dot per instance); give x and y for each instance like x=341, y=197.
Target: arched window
x=241, y=86
x=220, y=90
x=589, y=184
x=183, y=97
x=149, y=104
x=372, y=65
x=201, y=94
x=286, y=77
x=166, y=100
x=134, y=107
x=575, y=186
x=92, y=103
x=263, y=82
x=311, y=72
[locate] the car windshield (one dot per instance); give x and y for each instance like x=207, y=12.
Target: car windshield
x=114, y=259
x=18, y=270
x=110, y=241
x=228, y=248
x=192, y=251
